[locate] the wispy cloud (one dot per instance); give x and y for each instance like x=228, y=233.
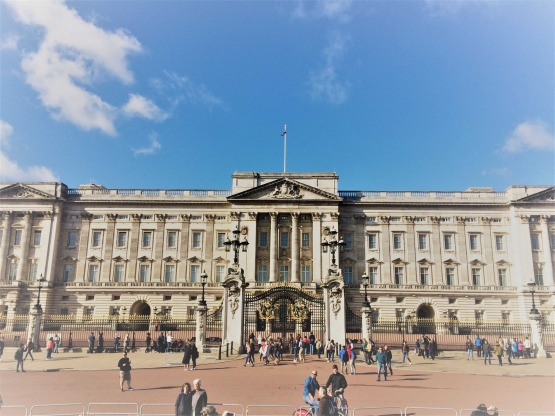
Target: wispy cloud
x=530, y=135
x=337, y=10
x=152, y=149
x=325, y=84
x=9, y=42
x=438, y=8
x=504, y=172
x=143, y=107
x=10, y=170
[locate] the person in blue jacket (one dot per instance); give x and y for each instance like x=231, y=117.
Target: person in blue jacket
x=381, y=358
x=311, y=387
x=478, y=345
x=344, y=358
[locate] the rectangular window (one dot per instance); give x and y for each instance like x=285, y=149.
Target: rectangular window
x=305, y=240
x=144, y=273
x=262, y=273
x=476, y=277
x=221, y=239
x=538, y=277
x=502, y=274
x=448, y=241
x=424, y=276
x=397, y=241
x=72, y=239
x=220, y=273
x=348, y=239
x=348, y=274
x=398, y=275
x=284, y=239
x=118, y=273
x=499, y=243
x=36, y=238
x=169, y=275
x=399, y=314
x=535, y=241
x=197, y=240
x=195, y=273
x=68, y=272
x=147, y=239
x=17, y=239
x=65, y=298
x=33, y=271
x=373, y=275
x=93, y=273
x=263, y=241
x=506, y=316
x=305, y=274
x=283, y=273
x=450, y=276
x=172, y=239
x=422, y=242
x=122, y=239
x=473, y=242
x=97, y=238
x=372, y=241
x=479, y=316
x=64, y=311
x=13, y=271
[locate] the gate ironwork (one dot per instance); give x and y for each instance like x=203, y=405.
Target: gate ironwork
x=282, y=310
x=214, y=326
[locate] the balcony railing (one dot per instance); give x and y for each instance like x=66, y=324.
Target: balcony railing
x=147, y=192
x=420, y=194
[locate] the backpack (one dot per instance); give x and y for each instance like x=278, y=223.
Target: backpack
x=333, y=407
x=18, y=356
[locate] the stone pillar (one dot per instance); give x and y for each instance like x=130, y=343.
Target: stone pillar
x=35, y=319
x=108, y=248
x=537, y=335
x=273, y=246
x=463, y=275
x=250, y=265
x=548, y=278
x=435, y=249
x=83, y=246
x=6, y=234
x=487, y=250
x=158, y=249
x=316, y=247
x=53, y=243
x=184, y=248
x=334, y=297
x=134, y=239
x=366, y=323
x=386, y=275
x=25, y=240
x=410, y=250
x=200, y=333
x=233, y=311
x=295, y=247
x=209, y=249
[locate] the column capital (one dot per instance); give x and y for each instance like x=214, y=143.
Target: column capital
x=316, y=216
x=161, y=217
x=544, y=219
x=410, y=220
x=48, y=214
x=295, y=216
x=460, y=220
x=112, y=217
x=334, y=216
x=235, y=215
x=185, y=217
x=136, y=217
x=385, y=219
x=87, y=216
x=27, y=215
x=210, y=217
x=273, y=216
x=253, y=215
x=524, y=219
x=486, y=220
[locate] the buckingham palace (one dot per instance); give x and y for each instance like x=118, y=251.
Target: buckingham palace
x=102, y=252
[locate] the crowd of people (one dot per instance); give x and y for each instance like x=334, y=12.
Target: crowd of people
x=504, y=347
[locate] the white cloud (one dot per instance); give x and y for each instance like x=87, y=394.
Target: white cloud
x=6, y=131
x=73, y=54
x=530, y=135
x=143, y=107
x=338, y=10
x=9, y=42
x=187, y=90
x=10, y=170
x=154, y=146
x=324, y=84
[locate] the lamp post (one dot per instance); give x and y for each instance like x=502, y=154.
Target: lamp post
x=532, y=287
x=333, y=244
x=365, y=283
x=236, y=244
x=41, y=280
x=203, y=279
x=35, y=318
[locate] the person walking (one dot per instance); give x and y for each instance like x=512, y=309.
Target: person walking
x=432, y=349
x=469, y=349
x=126, y=342
x=311, y=386
x=499, y=352
x=49, y=348
x=100, y=344
x=18, y=356
x=405, y=349
x=148, y=341
x=302, y=351
x=91, y=340
x=194, y=355
x=486, y=350
x=344, y=359
x=478, y=344
x=124, y=372
x=363, y=345
x=312, y=343
x=116, y=342
x=183, y=404
x=514, y=347
x=169, y=340
x=29, y=348
x=319, y=348
x=352, y=361
x=161, y=342
x=56, y=343
x=508, y=351
x=389, y=356
x=520, y=349
x=331, y=351
x=527, y=346
x=422, y=348
x=381, y=358
x=199, y=399
x=265, y=352
x=1, y=347
x=336, y=381
x=187, y=352
x=249, y=357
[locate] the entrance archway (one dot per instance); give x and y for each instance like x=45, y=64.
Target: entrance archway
x=425, y=315
x=140, y=308
x=425, y=311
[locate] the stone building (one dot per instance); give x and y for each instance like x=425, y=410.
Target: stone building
x=466, y=254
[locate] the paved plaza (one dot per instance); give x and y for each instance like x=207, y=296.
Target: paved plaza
x=449, y=381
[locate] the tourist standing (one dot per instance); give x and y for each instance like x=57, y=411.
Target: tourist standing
x=469, y=349
x=508, y=351
x=352, y=361
x=432, y=349
x=344, y=358
x=49, y=348
x=336, y=380
x=499, y=352
x=527, y=346
x=200, y=398
x=18, y=356
x=486, y=350
x=311, y=386
x=363, y=345
x=29, y=348
x=1, y=347
x=148, y=341
x=161, y=342
x=422, y=348
x=389, y=356
x=124, y=372
x=91, y=340
x=302, y=350
x=183, y=404
x=405, y=349
x=100, y=343
x=116, y=342
x=169, y=341
x=56, y=343
x=381, y=358
x=319, y=348
x=194, y=355
x=312, y=343
x=478, y=344
x=186, y=357
x=520, y=349
x=126, y=342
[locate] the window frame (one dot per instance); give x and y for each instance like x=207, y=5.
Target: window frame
x=18, y=235
x=399, y=275
x=33, y=269
x=119, y=243
x=219, y=276
x=348, y=240
x=93, y=239
x=143, y=237
x=12, y=271
x=69, y=234
x=305, y=273
x=474, y=242
x=400, y=246
x=447, y=273
x=284, y=273
x=35, y=233
x=305, y=242
x=196, y=243
x=373, y=275
x=499, y=242
x=424, y=276
x=96, y=276
x=448, y=238
x=167, y=268
x=263, y=242
x=502, y=275
x=170, y=233
x=284, y=242
x=538, y=276
x=261, y=272
x=535, y=242
x=65, y=277
x=423, y=241
x=476, y=275
x=194, y=273
x=144, y=277
x=348, y=274
x=374, y=237
x=117, y=266
x=220, y=241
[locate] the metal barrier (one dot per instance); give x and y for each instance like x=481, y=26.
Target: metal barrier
x=535, y=413
x=468, y=412
x=6, y=410
x=372, y=409
x=111, y=406
x=432, y=411
x=70, y=409
x=168, y=409
x=292, y=409
x=236, y=405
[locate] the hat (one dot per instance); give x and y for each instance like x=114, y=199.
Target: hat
x=482, y=407
x=492, y=408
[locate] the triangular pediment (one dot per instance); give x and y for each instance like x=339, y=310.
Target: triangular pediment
x=286, y=190
x=547, y=196
x=21, y=191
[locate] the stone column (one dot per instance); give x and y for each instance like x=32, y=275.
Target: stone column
x=366, y=323
x=83, y=246
x=548, y=278
x=316, y=247
x=435, y=249
x=53, y=243
x=8, y=217
x=537, y=335
x=250, y=266
x=25, y=240
x=410, y=250
x=273, y=246
x=134, y=240
x=209, y=249
x=334, y=296
x=200, y=334
x=487, y=250
x=184, y=248
x=158, y=249
x=108, y=248
x=33, y=332
x=386, y=250
x=232, y=311
x=464, y=277
x=295, y=247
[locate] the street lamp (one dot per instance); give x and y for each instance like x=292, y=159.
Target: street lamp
x=532, y=286
x=365, y=283
x=333, y=244
x=203, y=279
x=41, y=281
x=236, y=244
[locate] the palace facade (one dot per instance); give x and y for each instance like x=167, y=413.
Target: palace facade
x=468, y=254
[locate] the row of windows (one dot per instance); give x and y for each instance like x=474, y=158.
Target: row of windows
x=448, y=241
x=12, y=273
x=18, y=235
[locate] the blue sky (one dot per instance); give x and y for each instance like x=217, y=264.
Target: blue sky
x=415, y=95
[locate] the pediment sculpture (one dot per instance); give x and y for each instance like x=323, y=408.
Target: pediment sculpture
x=286, y=191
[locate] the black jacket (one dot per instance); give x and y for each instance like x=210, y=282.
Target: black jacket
x=201, y=402
x=183, y=404
x=336, y=381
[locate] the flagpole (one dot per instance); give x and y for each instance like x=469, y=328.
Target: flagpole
x=284, y=147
